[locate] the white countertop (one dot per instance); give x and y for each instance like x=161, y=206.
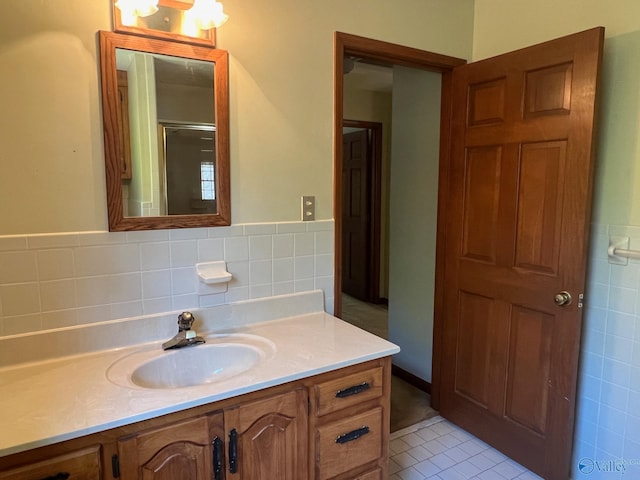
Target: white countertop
x=48, y=400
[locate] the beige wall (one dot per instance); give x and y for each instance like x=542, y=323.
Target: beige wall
x=281, y=61
x=51, y=158
x=503, y=25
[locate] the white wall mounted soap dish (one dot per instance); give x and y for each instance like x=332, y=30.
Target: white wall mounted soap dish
x=214, y=276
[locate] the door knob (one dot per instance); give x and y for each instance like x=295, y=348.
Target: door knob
x=563, y=298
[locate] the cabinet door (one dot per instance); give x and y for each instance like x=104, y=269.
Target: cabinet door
x=268, y=438
x=81, y=465
x=181, y=451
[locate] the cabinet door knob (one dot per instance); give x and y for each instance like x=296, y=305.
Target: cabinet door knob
x=233, y=451
x=58, y=476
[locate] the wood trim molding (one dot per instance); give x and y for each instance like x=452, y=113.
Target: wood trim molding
x=390, y=54
x=109, y=43
x=411, y=379
x=443, y=192
x=338, y=116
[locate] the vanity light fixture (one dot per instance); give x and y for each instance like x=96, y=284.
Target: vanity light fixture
x=198, y=14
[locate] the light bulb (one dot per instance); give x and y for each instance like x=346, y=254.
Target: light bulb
x=208, y=14
x=137, y=8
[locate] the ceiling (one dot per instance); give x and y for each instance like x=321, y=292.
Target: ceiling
x=367, y=76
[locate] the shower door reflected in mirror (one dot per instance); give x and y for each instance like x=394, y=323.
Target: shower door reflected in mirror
x=189, y=170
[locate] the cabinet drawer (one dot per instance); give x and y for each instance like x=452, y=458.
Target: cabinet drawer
x=349, y=443
x=82, y=465
x=347, y=391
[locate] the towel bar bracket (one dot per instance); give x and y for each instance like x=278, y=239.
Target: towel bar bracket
x=618, y=251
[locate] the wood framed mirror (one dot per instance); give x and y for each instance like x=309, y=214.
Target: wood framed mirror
x=148, y=84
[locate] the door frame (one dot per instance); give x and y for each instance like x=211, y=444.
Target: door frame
x=389, y=54
x=374, y=202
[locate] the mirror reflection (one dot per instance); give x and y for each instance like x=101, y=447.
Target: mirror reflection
x=165, y=108
x=187, y=157
x=170, y=159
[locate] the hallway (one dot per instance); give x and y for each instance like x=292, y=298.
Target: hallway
x=409, y=405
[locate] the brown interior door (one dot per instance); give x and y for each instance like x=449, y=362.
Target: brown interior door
x=356, y=214
x=517, y=236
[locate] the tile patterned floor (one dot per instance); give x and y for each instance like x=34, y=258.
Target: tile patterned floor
x=438, y=450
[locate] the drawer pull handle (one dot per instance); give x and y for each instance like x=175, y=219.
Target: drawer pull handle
x=356, y=389
x=59, y=476
x=353, y=435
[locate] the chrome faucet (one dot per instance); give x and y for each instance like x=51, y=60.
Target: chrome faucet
x=185, y=336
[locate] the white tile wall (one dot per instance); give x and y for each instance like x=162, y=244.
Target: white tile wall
x=607, y=440
x=51, y=281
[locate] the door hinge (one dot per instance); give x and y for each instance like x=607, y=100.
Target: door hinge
x=115, y=466
x=580, y=300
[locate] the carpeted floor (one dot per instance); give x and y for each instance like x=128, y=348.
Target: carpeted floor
x=368, y=316
x=409, y=405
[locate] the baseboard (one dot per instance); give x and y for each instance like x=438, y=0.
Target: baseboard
x=411, y=379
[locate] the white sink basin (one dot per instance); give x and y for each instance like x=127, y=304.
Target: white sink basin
x=222, y=357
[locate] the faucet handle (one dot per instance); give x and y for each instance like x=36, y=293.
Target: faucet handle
x=185, y=320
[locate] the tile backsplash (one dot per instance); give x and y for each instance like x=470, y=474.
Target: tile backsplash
x=51, y=281
x=59, y=280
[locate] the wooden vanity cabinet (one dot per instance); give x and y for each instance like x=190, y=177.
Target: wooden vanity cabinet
x=332, y=426
x=350, y=424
